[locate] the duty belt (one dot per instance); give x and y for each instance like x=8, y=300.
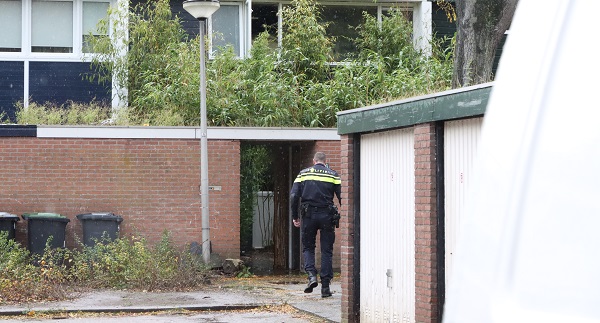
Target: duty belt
x=307, y=210
x=318, y=208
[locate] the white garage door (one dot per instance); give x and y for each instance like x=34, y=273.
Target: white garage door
x=461, y=139
x=387, y=227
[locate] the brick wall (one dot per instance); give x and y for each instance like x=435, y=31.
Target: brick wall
x=332, y=151
x=152, y=183
x=346, y=236
x=426, y=302
x=224, y=205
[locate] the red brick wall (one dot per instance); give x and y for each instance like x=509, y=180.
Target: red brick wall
x=224, y=205
x=425, y=224
x=332, y=151
x=346, y=231
x=152, y=183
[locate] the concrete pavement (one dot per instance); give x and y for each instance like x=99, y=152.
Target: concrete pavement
x=229, y=295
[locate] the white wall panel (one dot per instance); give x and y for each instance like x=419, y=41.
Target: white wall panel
x=461, y=139
x=387, y=228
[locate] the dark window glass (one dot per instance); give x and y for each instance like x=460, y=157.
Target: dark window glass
x=264, y=18
x=342, y=23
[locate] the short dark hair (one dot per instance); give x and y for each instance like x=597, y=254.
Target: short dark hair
x=320, y=157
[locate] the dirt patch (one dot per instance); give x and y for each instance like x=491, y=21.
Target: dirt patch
x=260, y=261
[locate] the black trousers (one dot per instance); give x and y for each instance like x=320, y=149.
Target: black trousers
x=318, y=220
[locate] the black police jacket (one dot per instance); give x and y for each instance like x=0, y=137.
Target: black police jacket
x=315, y=186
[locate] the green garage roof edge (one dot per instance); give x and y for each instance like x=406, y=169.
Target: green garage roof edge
x=452, y=104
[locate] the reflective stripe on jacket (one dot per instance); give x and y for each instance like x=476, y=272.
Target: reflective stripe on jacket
x=315, y=186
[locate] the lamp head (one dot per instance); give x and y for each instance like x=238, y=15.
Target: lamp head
x=201, y=9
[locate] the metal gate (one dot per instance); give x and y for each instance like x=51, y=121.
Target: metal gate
x=461, y=139
x=387, y=227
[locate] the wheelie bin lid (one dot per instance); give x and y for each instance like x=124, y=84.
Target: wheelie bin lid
x=45, y=216
x=9, y=216
x=100, y=216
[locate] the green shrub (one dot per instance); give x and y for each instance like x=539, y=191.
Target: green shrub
x=291, y=86
x=159, y=69
x=245, y=272
x=294, y=85
x=128, y=263
x=21, y=280
x=133, y=264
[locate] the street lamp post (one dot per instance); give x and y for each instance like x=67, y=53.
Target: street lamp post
x=202, y=10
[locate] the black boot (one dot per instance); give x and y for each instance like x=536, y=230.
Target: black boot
x=312, y=282
x=325, y=292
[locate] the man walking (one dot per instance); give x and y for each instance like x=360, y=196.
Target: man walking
x=312, y=196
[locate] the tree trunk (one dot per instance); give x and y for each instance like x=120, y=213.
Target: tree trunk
x=481, y=25
x=281, y=222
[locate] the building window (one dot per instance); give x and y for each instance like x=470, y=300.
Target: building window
x=237, y=26
x=343, y=21
x=264, y=18
x=93, y=13
x=52, y=26
x=226, y=28
x=10, y=26
x=406, y=12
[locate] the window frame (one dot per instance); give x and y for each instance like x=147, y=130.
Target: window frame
x=83, y=33
x=26, y=53
x=241, y=29
x=382, y=7
x=20, y=29
x=31, y=27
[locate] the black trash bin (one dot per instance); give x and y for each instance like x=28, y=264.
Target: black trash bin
x=99, y=226
x=8, y=222
x=40, y=226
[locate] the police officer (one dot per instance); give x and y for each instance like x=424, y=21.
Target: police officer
x=312, y=196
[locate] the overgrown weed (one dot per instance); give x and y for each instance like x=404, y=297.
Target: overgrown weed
x=71, y=113
x=125, y=263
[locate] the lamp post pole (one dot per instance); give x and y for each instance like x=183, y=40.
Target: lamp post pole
x=202, y=10
x=204, y=148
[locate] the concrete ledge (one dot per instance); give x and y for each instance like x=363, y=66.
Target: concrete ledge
x=226, y=133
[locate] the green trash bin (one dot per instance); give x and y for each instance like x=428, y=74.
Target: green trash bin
x=99, y=226
x=8, y=222
x=40, y=226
